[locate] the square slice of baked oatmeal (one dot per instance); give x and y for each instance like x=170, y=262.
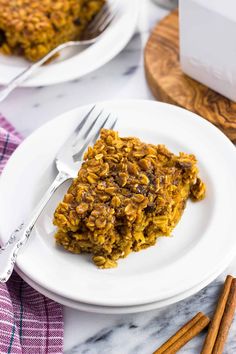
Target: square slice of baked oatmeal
x=127, y=194
x=32, y=28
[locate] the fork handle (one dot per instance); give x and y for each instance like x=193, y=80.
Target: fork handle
x=26, y=73
x=9, y=252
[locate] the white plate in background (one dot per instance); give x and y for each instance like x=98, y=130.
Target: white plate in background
x=203, y=241
x=74, y=62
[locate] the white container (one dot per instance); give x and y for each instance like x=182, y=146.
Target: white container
x=208, y=43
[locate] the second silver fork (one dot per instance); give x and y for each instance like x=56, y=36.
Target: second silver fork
x=68, y=161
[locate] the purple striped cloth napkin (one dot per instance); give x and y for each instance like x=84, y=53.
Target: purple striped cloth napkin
x=9, y=140
x=30, y=323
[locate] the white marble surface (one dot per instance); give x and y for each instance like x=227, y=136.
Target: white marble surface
x=123, y=78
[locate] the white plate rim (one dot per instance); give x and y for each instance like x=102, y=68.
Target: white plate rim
x=109, y=310
x=212, y=129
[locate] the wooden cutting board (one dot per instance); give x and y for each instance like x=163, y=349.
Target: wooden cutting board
x=168, y=83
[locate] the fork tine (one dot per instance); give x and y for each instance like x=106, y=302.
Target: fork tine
x=84, y=132
x=76, y=134
x=91, y=139
x=81, y=147
x=83, y=121
x=113, y=124
x=105, y=20
x=101, y=21
x=108, y=124
x=92, y=125
x=106, y=8
x=97, y=18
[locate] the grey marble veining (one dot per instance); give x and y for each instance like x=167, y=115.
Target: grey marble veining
x=122, y=78
x=144, y=332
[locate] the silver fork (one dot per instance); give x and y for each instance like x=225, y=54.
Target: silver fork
x=90, y=35
x=68, y=162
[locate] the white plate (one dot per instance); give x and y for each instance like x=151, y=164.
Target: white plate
x=74, y=63
x=119, y=309
x=203, y=241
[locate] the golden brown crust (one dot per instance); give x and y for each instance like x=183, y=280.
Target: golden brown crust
x=32, y=28
x=126, y=195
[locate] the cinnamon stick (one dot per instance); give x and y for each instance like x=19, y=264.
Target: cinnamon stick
x=185, y=334
x=226, y=320
x=216, y=321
